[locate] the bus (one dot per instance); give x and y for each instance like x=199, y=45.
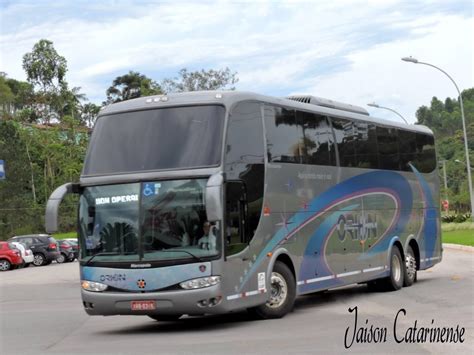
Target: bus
x=211, y=202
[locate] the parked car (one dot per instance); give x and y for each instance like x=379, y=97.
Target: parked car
x=26, y=253
x=45, y=248
x=67, y=252
x=10, y=257
x=75, y=246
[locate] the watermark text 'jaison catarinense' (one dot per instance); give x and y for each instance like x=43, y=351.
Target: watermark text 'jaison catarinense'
x=368, y=333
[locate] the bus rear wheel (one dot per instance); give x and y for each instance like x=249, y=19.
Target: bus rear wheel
x=282, y=294
x=410, y=267
x=397, y=271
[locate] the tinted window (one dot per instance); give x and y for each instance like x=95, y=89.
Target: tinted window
x=345, y=140
x=387, y=145
x=284, y=135
x=244, y=167
x=365, y=145
x=318, y=139
x=171, y=138
x=407, y=148
x=425, y=160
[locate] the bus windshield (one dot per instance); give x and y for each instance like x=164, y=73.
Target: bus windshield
x=149, y=221
x=157, y=139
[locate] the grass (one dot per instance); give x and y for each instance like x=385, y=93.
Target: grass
x=449, y=227
x=463, y=237
x=65, y=235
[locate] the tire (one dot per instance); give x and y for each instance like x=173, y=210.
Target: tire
x=39, y=259
x=283, y=294
x=397, y=271
x=5, y=265
x=27, y=264
x=166, y=318
x=410, y=268
x=61, y=258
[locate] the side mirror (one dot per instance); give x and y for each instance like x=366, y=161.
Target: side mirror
x=52, y=207
x=215, y=197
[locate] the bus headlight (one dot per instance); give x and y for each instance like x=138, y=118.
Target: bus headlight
x=93, y=286
x=200, y=282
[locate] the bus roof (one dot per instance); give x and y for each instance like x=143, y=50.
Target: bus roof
x=229, y=98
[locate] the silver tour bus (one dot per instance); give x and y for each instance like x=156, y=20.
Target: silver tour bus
x=211, y=202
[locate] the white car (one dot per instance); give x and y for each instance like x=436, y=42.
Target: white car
x=26, y=254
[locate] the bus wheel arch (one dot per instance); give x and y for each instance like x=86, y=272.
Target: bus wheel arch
x=285, y=259
x=281, y=288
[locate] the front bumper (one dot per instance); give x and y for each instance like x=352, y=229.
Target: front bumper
x=167, y=303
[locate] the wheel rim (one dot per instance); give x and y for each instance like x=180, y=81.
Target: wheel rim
x=410, y=263
x=278, y=292
x=396, y=268
x=4, y=266
x=60, y=259
x=38, y=260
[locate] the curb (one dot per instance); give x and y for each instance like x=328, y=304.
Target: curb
x=458, y=247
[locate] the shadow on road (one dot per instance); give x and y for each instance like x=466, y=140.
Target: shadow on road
x=239, y=319
x=186, y=324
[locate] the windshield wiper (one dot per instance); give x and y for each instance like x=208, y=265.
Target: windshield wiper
x=111, y=253
x=181, y=250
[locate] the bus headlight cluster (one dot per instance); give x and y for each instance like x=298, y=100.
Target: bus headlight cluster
x=93, y=286
x=200, y=282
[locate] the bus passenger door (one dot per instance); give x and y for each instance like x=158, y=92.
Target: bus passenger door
x=236, y=216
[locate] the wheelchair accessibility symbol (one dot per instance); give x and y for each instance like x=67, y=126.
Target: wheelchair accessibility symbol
x=151, y=189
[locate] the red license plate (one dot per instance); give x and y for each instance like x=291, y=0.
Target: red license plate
x=143, y=305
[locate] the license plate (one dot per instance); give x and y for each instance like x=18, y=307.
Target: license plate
x=143, y=305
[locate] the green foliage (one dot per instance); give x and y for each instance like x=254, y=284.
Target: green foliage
x=44, y=66
x=445, y=121
x=131, y=86
x=201, y=80
x=456, y=218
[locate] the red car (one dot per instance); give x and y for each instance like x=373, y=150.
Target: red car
x=10, y=257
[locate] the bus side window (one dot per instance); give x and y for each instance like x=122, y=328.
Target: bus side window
x=345, y=140
x=317, y=138
x=407, y=147
x=425, y=160
x=387, y=146
x=245, y=172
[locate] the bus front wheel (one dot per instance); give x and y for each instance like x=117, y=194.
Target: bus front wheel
x=282, y=294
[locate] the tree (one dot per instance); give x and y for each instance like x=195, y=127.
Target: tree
x=44, y=66
x=201, y=80
x=6, y=96
x=46, y=69
x=89, y=114
x=445, y=121
x=131, y=86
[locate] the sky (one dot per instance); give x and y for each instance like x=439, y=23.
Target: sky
x=343, y=50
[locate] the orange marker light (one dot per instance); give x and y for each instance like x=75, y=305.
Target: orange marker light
x=269, y=254
x=266, y=211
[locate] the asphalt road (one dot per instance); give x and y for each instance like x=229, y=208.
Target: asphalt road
x=41, y=312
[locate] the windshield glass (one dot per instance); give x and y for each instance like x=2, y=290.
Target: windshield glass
x=150, y=221
x=167, y=138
